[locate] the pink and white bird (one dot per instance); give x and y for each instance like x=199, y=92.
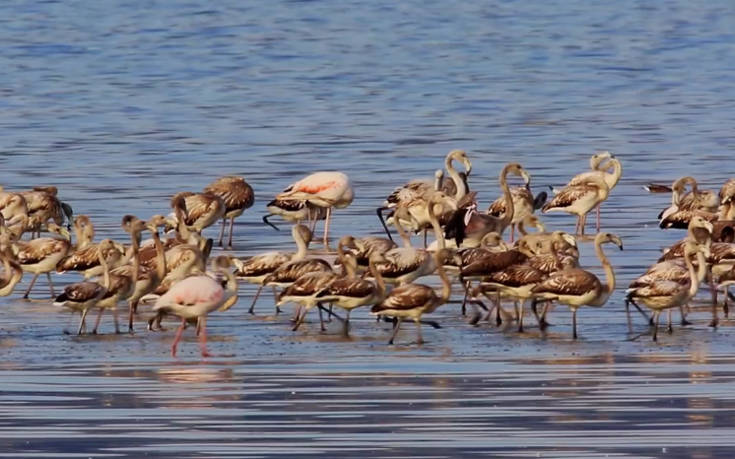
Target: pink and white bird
x=322, y=189
x=197, y=296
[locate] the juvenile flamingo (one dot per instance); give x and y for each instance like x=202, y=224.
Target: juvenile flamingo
x=237, y=195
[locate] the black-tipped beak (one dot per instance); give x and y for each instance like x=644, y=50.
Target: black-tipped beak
x=265, y=220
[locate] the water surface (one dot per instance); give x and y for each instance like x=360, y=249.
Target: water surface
x=122, y=104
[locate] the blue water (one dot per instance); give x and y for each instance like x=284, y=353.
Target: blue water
x=122, y=104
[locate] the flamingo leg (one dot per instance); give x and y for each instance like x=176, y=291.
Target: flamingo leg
x=520, y=315
x=396, y=327
x=300, y=318
x=312, y=222
x=582, y=224
x=177, y=337
x=326, y=227
x=116, y=321
x=257, y=294
x=28, y=291
x=425, y=233
x=713, y=289
x=669, y=327
x=275, y=295
x=346, y=325
x=202, y=325
x=81, y=322
x=574, y=323
x=222, y=232
x=232, y=225
x=321, y=319
x=598, y=217
x=97, y=322
x=50, y=285
x=655, y=325
x=132, y=306
x=419, y=338
x=464, y=300
x=512, y=232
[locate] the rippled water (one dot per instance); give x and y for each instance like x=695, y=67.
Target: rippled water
x=121, y=104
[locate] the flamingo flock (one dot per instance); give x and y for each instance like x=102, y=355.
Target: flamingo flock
x=174, y=273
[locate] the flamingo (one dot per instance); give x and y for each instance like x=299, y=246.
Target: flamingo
x=237, y=196
x=256, y=268
x=197, y=296
x=41, y=255
x=44, y=205
x=664, y=293
x=579, y=199
x=413, y=197
x=328, y=189
x=576, y=287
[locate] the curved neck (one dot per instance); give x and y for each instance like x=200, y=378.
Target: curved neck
x=346, y=260
x=404, y=236
x=160, y=255
x=694, y=280
x=701, y=266
x=231, y=288
x=446, y=285
x=458, y=182
x=616, y=173
x=609, y=273
x=509, y=208
x=105, y=269
x=301, y=246
x=378, y=278
x=435, y=225
x=135, y=246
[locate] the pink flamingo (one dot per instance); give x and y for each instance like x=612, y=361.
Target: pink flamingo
x=322, y=189
x=197, y=296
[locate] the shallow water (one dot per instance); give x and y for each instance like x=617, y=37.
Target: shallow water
x=122, y=104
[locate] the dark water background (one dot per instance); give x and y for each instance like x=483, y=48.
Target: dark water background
x=123, y=103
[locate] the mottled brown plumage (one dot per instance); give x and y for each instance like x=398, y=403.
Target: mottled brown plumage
x=200, y=210
x=237, y=196
x=492, y=262
x=288, y=273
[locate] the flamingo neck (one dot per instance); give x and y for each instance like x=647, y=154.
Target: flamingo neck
x=617, y=172
x=694, y=280
x=230, y=290
x=701, y=266
x=435, y=225
x=456, y=178
x=446, y=284
x=378, y=278
x=609, y=286
x=402, y=232
x=509, y=208
x=105, y=270
x=301, y=246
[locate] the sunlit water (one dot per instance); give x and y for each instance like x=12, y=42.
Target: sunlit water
x=121, y=104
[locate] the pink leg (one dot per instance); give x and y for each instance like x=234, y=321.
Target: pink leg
x=203, y=337
x=177, y=338
x=326, y=227
x=97, y=322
